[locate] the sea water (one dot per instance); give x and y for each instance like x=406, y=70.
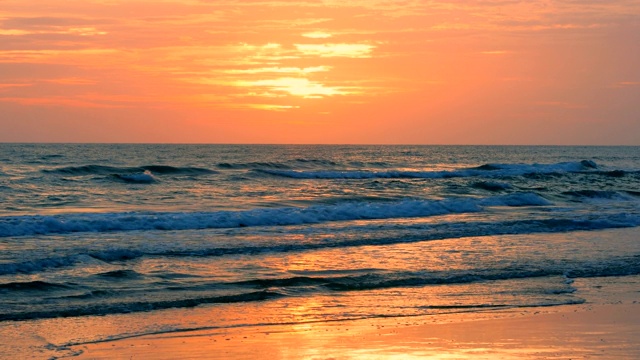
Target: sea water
x=302, y=234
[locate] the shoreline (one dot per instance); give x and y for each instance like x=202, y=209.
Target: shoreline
x=603, y=323
x=606, y=326
x=568, y=331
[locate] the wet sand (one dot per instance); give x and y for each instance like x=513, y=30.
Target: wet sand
x=609, y=331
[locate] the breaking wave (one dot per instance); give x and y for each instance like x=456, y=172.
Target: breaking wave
x=104, y=222
x=408, y=234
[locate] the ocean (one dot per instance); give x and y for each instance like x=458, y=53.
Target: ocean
x=172, y=238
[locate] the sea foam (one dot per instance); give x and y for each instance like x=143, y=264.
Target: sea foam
x=102, y=222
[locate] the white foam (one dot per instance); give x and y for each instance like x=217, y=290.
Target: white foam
x=142, y=178
x=101, y=222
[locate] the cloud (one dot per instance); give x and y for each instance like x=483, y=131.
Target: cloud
x=297, y=87
x=336, y=50
x=57, y=102
x=289, y=70
x=626, y=84
x=267, y=55
x=317, y=35
x=495, y=52
x=41, y=22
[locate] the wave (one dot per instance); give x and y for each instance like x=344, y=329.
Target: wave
x=483, y=170
x=143, y=178
x=39, y=265
x=317, y=162
x=293, y=164
x=120, y=274
x=254, y=165
x=613, y=173
x=262, y=289
x=600, y=194
x=110, y=170
x=128, y=307
x=31, y=286
x=105, y=222
x=491, y=186
x=409, y=234
x=383, y=279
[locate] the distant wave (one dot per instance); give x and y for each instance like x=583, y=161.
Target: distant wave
x=292, y=164
x=102, y=222
x=483, y=170
x=120, y=274
x=36, y=285
x=491, y=186
x=601, y=194
x=142, y=178
x=614, y=173
x=110, y=170
x=254, y=165
x=317, y=162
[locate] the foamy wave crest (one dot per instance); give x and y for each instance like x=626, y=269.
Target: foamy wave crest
x=483, y=170
x=138, y=306
x=83, y=257
x=103, y=222
x=388, y=235
x=142, y=178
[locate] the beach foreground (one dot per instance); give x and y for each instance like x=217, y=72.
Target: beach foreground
x=594, y=329
x=602, y=331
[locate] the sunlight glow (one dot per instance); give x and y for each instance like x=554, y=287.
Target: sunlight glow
x=336, y=50
x=317, y=35
x=297, y=87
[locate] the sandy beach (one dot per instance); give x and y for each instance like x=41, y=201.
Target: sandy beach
x=602, y=331
x=597, y=329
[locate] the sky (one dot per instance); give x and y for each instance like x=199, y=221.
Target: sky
x=321, y=71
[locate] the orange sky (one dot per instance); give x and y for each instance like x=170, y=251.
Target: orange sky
x=332, y=71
